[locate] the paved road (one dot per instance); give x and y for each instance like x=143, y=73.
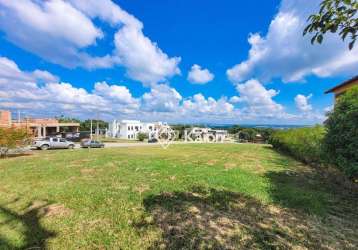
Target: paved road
x=142, y=144
x=138, y=144
x=135, y=144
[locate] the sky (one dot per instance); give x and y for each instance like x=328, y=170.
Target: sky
x=177, y=61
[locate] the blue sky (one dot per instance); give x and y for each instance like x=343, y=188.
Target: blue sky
x=177, y=61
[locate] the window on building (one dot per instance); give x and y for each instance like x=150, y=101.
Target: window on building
x=129, y=136
x=136, y=128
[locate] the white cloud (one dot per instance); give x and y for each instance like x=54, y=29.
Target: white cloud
x=61, y=32
x=283, y=52
x=258, y=99
x=107, y=11
x=37, y=94
x=56, y=18
x=235, y=99
x=116, y=93
x=54, y=30
x=302, y=104
x=328, y=109
x=199, y=75
x=199, y=105
x=9, y=71
x=161, y=98
x=143, y=59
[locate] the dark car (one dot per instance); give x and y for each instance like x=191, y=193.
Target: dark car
x=153, y=140
x=91, y=144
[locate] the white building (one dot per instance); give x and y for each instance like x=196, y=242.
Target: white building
x=129, y=129
x=205, y=135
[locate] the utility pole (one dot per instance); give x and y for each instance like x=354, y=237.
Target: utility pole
x=97, y=131
x=91, y=129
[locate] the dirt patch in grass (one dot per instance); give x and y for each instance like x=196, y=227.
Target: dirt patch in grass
x=142, y=188
x=49, y=210
x=212, y=162
x=229, y=165
x=56, y=210
x=215, y=219
x=79, y=162
x=88, y=171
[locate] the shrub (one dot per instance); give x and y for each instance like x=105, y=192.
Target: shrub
x=304, y=144
x=249, y=134
x=341, y=142
x=12, y=138
x=142, y=136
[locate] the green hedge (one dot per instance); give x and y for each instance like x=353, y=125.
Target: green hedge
x=341, y=141
x=304, y=144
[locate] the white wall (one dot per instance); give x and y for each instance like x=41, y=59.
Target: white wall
x=129, y=129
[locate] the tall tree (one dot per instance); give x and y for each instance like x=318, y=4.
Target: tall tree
x=334, y=16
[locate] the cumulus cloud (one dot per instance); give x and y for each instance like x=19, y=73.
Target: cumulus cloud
x=199, y=105
x=199, y=76
x=144, y=60
x=53, y=30
x=62, y=31
x=234, y=99
x=258, y=99
x=302, y=103
x=39, y=93
x=284, y=53
x=117, y=93
x=9, y=71
x=161, y=98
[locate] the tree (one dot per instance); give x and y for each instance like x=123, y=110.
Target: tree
x=64, y=119
x=235, y=129
x=334, y=16
x=12, y=138
x=142, y=136
x=86, y=125
x=341, y=141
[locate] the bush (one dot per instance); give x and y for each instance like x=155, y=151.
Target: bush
x=142, y=136
x=341, y=142
x=304, y=144
x=249, y=134
x=12, y=138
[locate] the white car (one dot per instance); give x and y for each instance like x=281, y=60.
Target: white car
x=52, y=142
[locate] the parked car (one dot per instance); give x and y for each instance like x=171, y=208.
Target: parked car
x=91, y=144
x=52, y=142
x=153, y=140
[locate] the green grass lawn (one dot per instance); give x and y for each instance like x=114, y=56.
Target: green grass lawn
x=198, y=196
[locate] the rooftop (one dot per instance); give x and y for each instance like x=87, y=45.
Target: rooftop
x=342, y=84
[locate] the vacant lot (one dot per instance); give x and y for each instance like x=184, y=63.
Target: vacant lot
x=188, y=196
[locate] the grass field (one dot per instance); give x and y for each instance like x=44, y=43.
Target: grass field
x=186, y=197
